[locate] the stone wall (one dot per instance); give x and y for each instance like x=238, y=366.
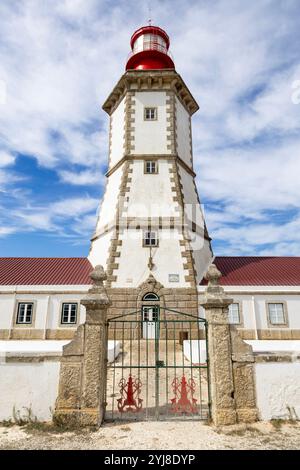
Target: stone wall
x=124, y=301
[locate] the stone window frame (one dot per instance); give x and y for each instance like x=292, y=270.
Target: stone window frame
x=16, y=310
x=147, y=160
x=241, y=322
x=146, y=108
x=156, y=237
x=68, y=325
x=285, y=314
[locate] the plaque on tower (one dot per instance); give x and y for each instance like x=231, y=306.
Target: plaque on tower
x=173, y=277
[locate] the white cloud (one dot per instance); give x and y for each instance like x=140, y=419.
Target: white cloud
x=82, y=178
x=249, y=237
x=73, y=207
x=4, y=231
x=62, y=217
x=6, y=159
x=252, y=179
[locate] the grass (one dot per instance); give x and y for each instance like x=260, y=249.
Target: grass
x=278, y=423
x=240, y=430
x=27, y=420
x=7, y=423
x=125, y=428
x=39, y=427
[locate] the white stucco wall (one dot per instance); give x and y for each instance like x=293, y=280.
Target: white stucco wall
x=29, y=377
x=190, y=197
x=109, y=202
x=100, y=249
x=183, y=133
x=47, y=300
x=201, y=253
x=193, y=213
x=254, y=308
x=55, y=309
x=31, y=385
x=151, y=195
x=7, y=305
x=293, y=309
x=133, y=269
x=117, y=134
x=150, y=137
x=277, y=388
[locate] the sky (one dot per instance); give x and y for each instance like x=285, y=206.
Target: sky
x=59, y=60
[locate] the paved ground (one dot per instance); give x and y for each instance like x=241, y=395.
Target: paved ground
x=155, y=436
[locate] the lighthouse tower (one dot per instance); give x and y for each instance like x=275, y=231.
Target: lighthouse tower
x=150, y=233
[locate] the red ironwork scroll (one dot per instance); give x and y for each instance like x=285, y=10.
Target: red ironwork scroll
x=184, y=401
x=130, y=391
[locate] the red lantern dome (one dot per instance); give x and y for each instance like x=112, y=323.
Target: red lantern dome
x=150, y=50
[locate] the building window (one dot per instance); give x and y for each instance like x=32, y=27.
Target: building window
x=151, y=167
x=276, y=314
x=25, y=311
x=234, y=314
x=69, y=314
x=150, y=238
x=150, y=114
x=150, y=296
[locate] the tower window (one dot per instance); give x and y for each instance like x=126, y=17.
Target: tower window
x=69, y=314
x=25, y=311
x=234, y=314
x=151, y=167
x=150, y=114
x=150, y=238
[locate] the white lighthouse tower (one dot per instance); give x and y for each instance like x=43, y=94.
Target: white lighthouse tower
x=150, y=226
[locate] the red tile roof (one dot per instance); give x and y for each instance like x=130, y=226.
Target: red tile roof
x=258, y=270
x=44, y=271
x=236, y=271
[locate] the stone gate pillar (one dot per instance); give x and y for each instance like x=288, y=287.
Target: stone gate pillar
x=82, y=381
x=231, y=370
x=215, y=303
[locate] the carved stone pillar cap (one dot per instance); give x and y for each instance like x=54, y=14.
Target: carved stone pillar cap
x=213, y=275
x=214, y=295
x=98, y=275
x=96, y=295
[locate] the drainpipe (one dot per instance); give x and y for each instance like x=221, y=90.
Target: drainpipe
x=13, y=313
x=46, y=320
x=254, y=316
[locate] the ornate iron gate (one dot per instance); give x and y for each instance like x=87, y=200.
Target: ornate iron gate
x=161, y=370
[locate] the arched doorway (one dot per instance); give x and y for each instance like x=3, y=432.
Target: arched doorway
x=150, y=315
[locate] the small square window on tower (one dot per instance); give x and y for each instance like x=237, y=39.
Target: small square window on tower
x=150, y=114
x=151, y=167
x=150, y=238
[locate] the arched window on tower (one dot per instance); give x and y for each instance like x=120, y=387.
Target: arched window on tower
x=150, y=296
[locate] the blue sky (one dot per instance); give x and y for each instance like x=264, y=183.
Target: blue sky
x=59, y=59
